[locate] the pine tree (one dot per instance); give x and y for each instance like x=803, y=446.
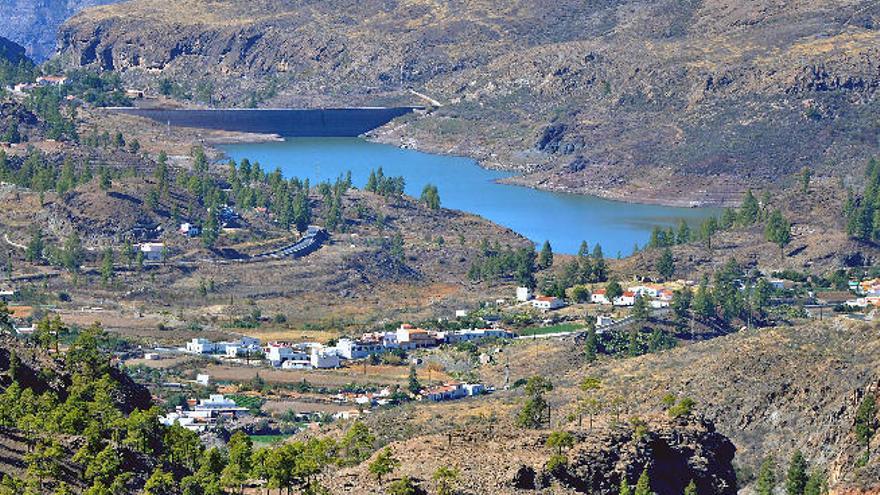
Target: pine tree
x=545, y=258
x=816, y=484
x=728, y=218
x=806, y=176
x=613, y=290
x=431, y=197
x=778, y=231
x=591, y=344
x=666, y=264
x=107, y=266
x=583, y=250
x=35, y=247
x=708, y=228
x=384, y=464
x=640, y=310
x=703, y=302
x=796, y=479
x=684, y=233
x=766, y=477
x=866, y=423
x=624, y=487
x=413, y=384
x=749, y=211
x=643, y=485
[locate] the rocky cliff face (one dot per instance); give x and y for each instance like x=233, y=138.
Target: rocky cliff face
x=653, y=100
x=34, y=23
x=508, y=460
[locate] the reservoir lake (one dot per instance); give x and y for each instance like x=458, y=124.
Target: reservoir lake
x=563, y=219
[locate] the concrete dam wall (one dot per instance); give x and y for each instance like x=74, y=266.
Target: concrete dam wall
x=326, y=122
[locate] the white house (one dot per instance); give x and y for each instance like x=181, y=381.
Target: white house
x=461, y=313
x=52, y=80
x=450, y=391
x=203, y=380
x=547, y=303
x=201, y=346
x=598, y=297
x=358, y=349
x=627, y=299
x=409, y=337
x=324, y=358
x=453, y=391
x=183, y=419
x=241, y=347
x=296, y=364
x=523, y=294
x=277, y=354
x=152, y=250
x=604, y=320
x=189, y=229
x=644, y=290
x=474, y=388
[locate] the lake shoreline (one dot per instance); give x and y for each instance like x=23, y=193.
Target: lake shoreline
x=389, y=126
x=563, y=218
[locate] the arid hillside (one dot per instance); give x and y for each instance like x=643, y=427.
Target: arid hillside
x=656, y=101
x=769, y=391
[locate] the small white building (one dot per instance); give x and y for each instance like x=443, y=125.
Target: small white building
x=278, y=354
x=296, y=364
x=644, y=290
x=604, y=321
x=151, y=356
x=474, y=388
x=201, y=346
x=152, y=250
x=357, y=349
x=203, y=380
x=461, y=313
x=189, y=229
x=324, y=357
x=598, y=297
x=410, y=337
x=547, y=303
x=627, y=299
x=52, y=80
x=523, y=294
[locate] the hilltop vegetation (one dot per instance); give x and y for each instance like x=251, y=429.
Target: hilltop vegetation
x=645, y=100
x=15, y=67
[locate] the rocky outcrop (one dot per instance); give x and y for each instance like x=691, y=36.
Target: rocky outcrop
x=674, y=454
x=34, y=23
x=508, y=460
x=688, y=101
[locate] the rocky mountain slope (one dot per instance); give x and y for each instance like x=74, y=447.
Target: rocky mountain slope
x=34, y=23
x=648, y=100
x=770, y=392
x=507, y=462
x=11, y=52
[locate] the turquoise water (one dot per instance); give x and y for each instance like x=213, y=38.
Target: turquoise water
x=563, y=219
